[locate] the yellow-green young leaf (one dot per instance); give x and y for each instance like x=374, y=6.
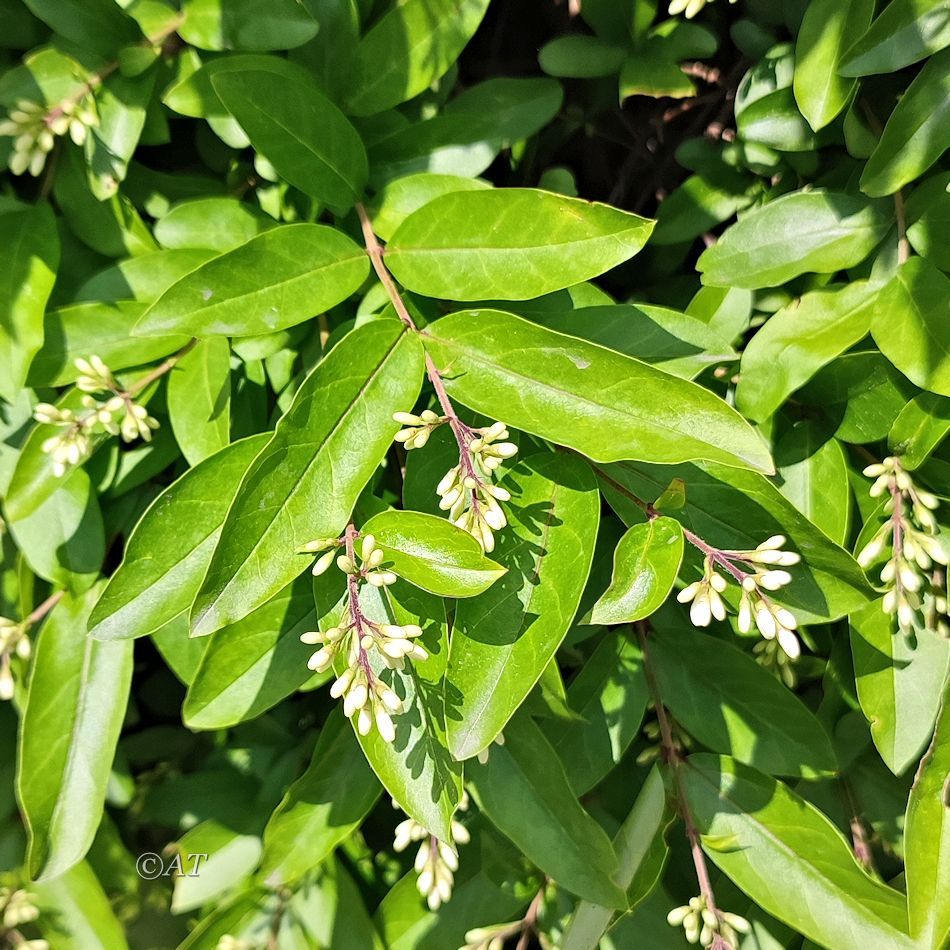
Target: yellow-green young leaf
x=905, y=32
x=170, y=548
x=305, y=481
x=919, y=428
x=76, y=704
x=432, y=553
x=29, y=257
x=790, y=859
x=503, y=640
x=900, y=684
x=737, y=511
x=927, y=842
x=911, y=324
x=526, y=795
x=279, y=278
x=413, y=44
x=299, y=131
x=246, y=24
x=794, y=343
x=828, y=27
x=646, y=563
x=322, y=808
x=251, y=665
x=510, y=244
x=757, y=720
x=916, y=134
x=199, y=399
x=601, y=403
x=803, y=232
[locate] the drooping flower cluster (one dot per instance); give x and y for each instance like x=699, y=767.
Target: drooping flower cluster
x=436, y=861
x=689, y=8
x=14, y=641
x=357, y=638
x=706, y=927
x=35, y=128
x=766, y=560
x=119, y=415
x=911, y=538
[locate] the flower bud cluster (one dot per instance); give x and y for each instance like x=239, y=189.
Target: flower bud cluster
x=705, y=926
x=418, y=428
x=116, y=415
x=35, y=128
x=14, y=641
x=492, y=937
x=651, y=731
x=357, y=638
x=230, y=942
x=16, y=909
x=766, y=562
x=483, y=755
x=913, y=544
x=436, y=861
x=689, y=8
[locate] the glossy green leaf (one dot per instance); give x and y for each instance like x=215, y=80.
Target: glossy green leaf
x=646, y=563
x=322, y=808
x=510, y=243
x=217, y=224
x=254, y=663
x=432, y=553
x=279, y=278
x=246, y=24
x=306, y=479
x=180, y=652
x=737, y=511
x=29, y=257
x=797, y=341
x=299, y=131
x=789, y=858
x=911, y=326
x=528, y=798
x=927, y=842
x=917, y=132
x=928, y=219
x=920, y=426
x=144, y=278
x=577, y=394
x=96, y=25
x=78, y=693
x=170, y=549
x=802, y=232
x=199, y=399
x=407, y=49
x=828, y=27
x=503, y=640
x=904, y=32
x=900, y=684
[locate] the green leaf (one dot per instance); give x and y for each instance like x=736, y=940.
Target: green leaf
x=97, y=26
x=803, y=232
x=733, y=705
x=917, y=132
x=905, y=32
x=927, y=842
x=102, y=329
x=646, y=563
x=29, y=257
x=217, y=224
x=648, y=72
x=144, y=278
x=322, y=808
x=503, y=640
x=790, y=859
x=928, y=219
x=900, y=684
x=827, y=28
x=510, y=243
x=579, y=56
x=170, y=548
x=411, y=46
x=610, y=695
x=919, y=428
x=574, y=393
x=246, y=24
x=78, y=693
x=299, y=131
x=254, y=663
x=279, y=278
x=305, y=481
x=911, y=327
x=199, y=399
x=527, y=797
x=795, y=342
x=736, y=511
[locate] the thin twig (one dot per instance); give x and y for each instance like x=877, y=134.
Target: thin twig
x=529, y=924
x=44, y=608
x=141, y=384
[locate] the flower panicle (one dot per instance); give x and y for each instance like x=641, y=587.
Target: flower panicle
x=14, y=643
x=705, y=926
x=34, y=128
